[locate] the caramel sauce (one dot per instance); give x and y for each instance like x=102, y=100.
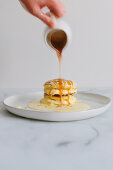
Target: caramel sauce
x=58, y=40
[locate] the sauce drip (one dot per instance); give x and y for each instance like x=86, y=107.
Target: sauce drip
x=58, y=40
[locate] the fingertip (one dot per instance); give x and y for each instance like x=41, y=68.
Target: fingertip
x=61, y=13
x=51, y=24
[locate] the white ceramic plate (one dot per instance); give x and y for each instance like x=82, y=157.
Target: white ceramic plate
x=98, y=105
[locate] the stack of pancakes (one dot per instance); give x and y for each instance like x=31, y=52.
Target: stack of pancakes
x=59, y=92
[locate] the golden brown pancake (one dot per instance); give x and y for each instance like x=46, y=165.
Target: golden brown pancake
x=66, y=84
x=53, y=87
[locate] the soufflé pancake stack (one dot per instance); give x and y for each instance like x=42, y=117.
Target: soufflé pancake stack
x=59, y=92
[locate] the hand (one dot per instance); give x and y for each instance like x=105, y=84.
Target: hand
x=35, y=6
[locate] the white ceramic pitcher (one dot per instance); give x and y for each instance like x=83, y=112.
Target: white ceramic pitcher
x=60, y=24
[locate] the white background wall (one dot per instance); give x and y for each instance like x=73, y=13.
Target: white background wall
x=26, y=62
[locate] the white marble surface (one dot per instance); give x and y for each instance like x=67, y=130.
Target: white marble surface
x=29, y=144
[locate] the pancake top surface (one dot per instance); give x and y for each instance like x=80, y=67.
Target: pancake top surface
x=59, y=83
